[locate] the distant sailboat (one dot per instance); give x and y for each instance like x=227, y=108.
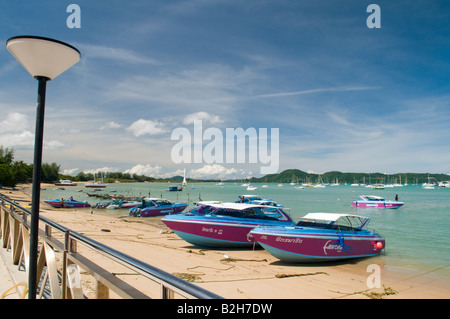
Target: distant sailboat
x=184, y=178
x=95, y=184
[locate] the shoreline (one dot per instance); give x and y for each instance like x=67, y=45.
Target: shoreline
x=242, y=274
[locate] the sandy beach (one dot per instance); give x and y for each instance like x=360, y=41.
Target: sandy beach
x=242, y=274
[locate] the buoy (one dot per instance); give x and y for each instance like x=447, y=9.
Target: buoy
x=379, y=245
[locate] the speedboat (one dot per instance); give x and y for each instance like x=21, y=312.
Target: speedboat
x=123, y=204
x=376, y=202
x=321, y=237
x=203, y=207
x=257, y=200
x=69, y=203
x=226, y=224
x=151, y=207
x=65, y=182
x=175, y=188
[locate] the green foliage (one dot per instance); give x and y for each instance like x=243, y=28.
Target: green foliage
x=50, y=172
x=295, y=175
x=12, y=172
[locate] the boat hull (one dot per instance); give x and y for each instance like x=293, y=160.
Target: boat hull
x=158, y=211
x=302, y=245
x=127, y=205
x=377, y=204
x=208, y=231
x=67, y=203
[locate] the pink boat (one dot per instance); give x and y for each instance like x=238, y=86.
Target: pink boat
x=225, y=224
x=321, y=237
x=373, y=201
x=69, y=203
x=152, y=207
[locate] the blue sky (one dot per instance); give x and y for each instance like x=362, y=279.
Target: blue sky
x=343, y=96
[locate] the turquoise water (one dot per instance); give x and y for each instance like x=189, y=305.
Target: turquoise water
x=417, y=234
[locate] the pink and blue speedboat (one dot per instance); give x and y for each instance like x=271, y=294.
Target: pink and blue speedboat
x=321, y=237
x=372, y=201
x=226, y=224
x=152, y=207
x=69, y=203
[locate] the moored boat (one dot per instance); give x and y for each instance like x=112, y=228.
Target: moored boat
x=321, y=237
x=151, y=207
x=226, y=224
x=175, y=188
x=123, y=204
x=65, y=182
x=69, y=203
x=372, y=201
x=257, y=200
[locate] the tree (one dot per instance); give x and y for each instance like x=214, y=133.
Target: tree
x=6, y=156
x=50, y=172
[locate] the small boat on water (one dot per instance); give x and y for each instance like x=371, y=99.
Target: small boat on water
x=95, y=183
x=69, y=203
x=226, y=224
x=321, y=237
x=257, y=200
x=151, y=207
x=175, y=188
x=372, y=201
x=65, y=182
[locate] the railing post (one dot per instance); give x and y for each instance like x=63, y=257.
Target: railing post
x=166, y=293
x=102, y=291
x=64, y=288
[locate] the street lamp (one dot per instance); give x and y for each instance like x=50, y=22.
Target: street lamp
x=44, y=59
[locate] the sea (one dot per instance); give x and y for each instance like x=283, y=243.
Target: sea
x=417, y=234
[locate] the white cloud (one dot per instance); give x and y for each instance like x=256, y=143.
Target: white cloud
x=101, y=170
x=70, y=171
x=123, y=55
x=146, y=170
x=214, y=170
x=14, y=122
x=319, y=90
x=143, y=127
x=204, y=116
x=338, y=118
x=110, y=125
x=14, y=132
x=23, y=139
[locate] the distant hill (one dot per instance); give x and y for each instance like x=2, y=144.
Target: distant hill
x=296, y=175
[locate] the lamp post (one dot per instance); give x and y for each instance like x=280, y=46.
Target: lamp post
x=44, y=59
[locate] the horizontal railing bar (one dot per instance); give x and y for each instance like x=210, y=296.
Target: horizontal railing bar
x=171, y=281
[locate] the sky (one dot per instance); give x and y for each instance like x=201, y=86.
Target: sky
x=343, y=95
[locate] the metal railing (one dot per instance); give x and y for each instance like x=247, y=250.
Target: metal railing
x=60, y=261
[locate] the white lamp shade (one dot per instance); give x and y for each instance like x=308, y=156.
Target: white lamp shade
x=42, y=56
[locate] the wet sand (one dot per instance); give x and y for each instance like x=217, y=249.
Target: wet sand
x=242, y=274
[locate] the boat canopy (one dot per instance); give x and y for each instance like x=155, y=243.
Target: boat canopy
x=242, y=210
x=372, y=197
x=334, y=221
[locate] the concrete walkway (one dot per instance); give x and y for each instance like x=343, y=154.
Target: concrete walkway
x=10, y=276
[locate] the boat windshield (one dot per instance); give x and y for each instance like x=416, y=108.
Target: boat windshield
x=346, y=222
x=248, y=198
x=200, y=210
x=251, y=212
x=162, y=202
x=373, y=198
